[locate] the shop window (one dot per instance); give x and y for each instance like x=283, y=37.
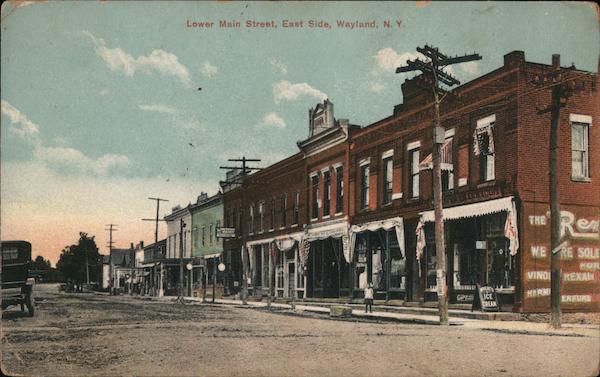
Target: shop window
x=326, y=192
x=296, y=208
x=414, y=172
x=387, y=180
x=364, y=188
x=339, y=200
x=315, y=197
x=430, y=258
x=466, y=269
x=580, y=169
x=272, y=214
x=397, y=263
x=282, y=211
x=360, y=277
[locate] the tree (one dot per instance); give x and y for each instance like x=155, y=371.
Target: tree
x=80, y=262
x=41, y=264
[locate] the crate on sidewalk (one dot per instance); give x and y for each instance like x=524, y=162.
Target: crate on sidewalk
x=340, y=311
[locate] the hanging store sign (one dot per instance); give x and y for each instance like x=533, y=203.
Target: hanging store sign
x=225, y=232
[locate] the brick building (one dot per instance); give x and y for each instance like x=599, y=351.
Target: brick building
x=495, y=195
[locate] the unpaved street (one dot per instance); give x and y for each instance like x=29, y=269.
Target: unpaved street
x=85, y=334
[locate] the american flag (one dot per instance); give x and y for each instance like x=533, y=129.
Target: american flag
x=510, y=231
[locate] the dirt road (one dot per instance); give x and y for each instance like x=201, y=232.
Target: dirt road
x=86, y=334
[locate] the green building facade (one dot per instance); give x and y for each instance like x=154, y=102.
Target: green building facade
x=207, y=216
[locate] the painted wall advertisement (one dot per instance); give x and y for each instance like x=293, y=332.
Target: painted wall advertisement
x=579, y=257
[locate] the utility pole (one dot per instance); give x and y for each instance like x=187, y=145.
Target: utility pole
x=562, y=88
x=180, y=298
x=433, y=70
x=244, y=172
x=110, y=229
x=156, y=220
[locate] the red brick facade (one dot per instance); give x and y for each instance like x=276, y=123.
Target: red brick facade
x=504, y=101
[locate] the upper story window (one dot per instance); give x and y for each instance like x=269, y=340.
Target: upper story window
x=447, y=161
x=326, y=192
x=282, y=211
x=484, y=148
x=203, y=236
x=272, y=214
x=339, y=185
x=217, y=226
x=388, y=172
x=210, y=234
x=261, y=216
x=413, y=158
x=315, y=196
x=296, y=208
x=251, y=219
x=364, y=183
x=580, y=160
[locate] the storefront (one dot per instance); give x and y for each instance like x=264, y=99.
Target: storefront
x=288, y=278
x=326, y=257
x=377, y=251
x=481, y=246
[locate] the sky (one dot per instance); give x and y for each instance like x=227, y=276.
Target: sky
x=101, y=106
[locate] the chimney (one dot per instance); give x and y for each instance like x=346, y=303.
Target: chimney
x=415, y=90
x=514, y=59
x=556, y=61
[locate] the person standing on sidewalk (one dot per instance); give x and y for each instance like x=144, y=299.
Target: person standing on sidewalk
x=369, y=298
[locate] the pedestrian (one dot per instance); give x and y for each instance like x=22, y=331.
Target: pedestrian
x=369, y=298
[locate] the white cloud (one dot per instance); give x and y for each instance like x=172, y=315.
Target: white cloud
x=158, y=108
x=209, y=70
x=376, y=87
x=285, y=90
x=21, y=125
x=279, y=65
x=70, y=158
x=387, y=59
x=470, y=67
x=274, y=120
x=158, y=60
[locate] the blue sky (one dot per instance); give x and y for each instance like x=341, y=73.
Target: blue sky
x=101, y=108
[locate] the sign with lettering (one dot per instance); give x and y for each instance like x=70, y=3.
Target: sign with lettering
x=225, y=232
x=487, y=299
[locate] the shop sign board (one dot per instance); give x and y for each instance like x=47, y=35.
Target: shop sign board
x=225, y=232
x=487, y=300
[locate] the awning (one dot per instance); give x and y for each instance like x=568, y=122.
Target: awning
x=317, y=233
x=446, y=153
x=285, y=243
x=472, y=210
x=395, y=222
x=209, y=256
